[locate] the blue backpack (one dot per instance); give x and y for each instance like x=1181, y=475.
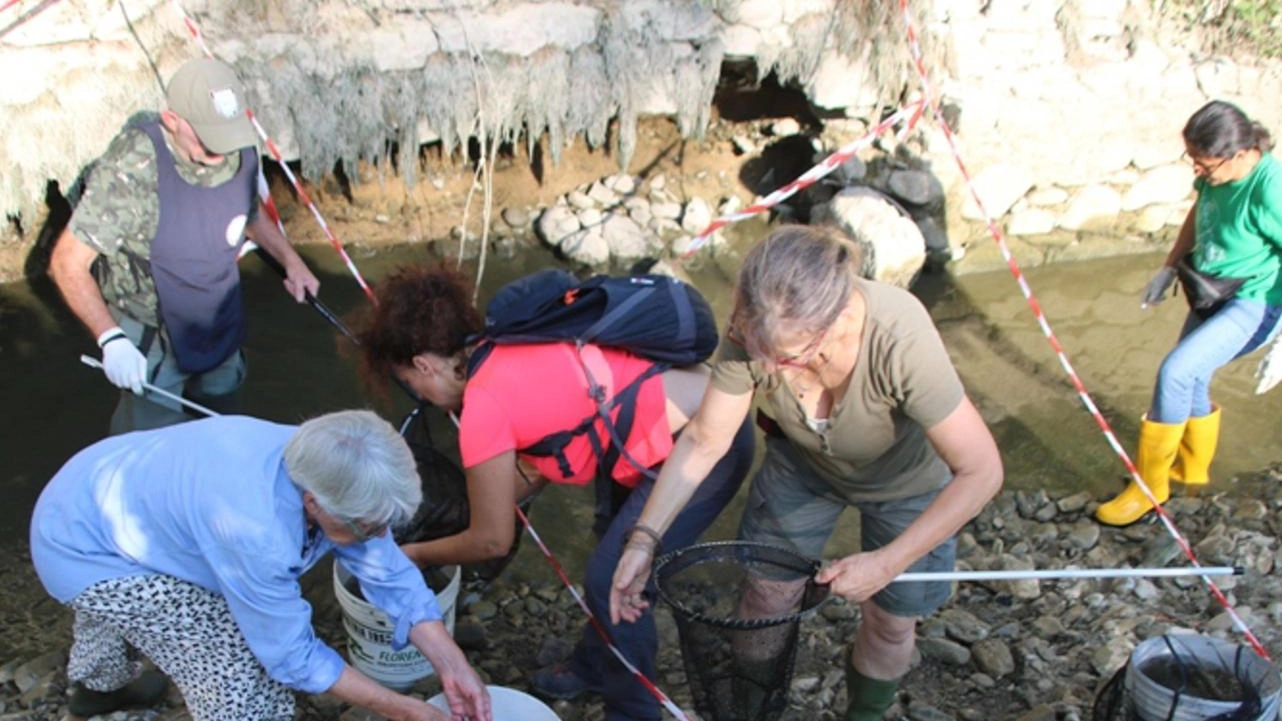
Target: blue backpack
x=656, y=317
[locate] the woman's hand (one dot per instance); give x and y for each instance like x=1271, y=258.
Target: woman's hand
x=627, y=599
x=464, y=690
x=1155, y=291
x=858, y=576
x=466, y=694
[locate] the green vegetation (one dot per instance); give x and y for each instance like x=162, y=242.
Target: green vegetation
x=1232, y=27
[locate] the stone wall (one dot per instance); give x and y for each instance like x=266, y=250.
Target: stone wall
x=1068, y=111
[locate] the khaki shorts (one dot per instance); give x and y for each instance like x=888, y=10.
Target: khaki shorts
x=791, y=506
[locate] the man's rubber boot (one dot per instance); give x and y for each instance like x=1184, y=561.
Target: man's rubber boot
x=867, y=698
x=1197, y=449
x=1158, y=447
x=146, y=690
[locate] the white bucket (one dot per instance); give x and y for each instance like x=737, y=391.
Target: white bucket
x=508, y=704
x=369, y=633
x=1211, y=663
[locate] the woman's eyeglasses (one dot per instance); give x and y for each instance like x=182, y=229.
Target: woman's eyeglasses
x=364, y=532
x=1205, y=165
x=803, y=358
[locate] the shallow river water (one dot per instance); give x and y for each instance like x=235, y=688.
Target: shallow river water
x=53, y=405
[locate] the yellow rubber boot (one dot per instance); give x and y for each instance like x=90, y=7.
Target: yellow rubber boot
x=1197, y=448
x=1158, y=447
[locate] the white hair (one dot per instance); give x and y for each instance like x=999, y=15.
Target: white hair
x=358, y=467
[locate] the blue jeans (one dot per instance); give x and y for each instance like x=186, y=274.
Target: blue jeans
x=625, y=697
x=1184, y=380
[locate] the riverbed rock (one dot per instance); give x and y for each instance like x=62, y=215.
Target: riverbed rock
x=696, y=216
x=557, y=223
x=945, y=651
x=963, y=626
x=627, y=240
x=916, y=188
x=894, y=249
x=30, y=673
x=993, y=657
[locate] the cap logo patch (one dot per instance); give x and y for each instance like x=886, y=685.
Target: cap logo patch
x=225, y=102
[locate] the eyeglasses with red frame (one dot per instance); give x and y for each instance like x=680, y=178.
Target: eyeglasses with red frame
x=803, y=358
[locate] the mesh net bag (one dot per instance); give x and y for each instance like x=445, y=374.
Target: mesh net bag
x=738, y=662
x=445, y=510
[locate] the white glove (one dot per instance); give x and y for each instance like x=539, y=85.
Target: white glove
x=1269, y=372
x=1155, y=291
x=124, y=365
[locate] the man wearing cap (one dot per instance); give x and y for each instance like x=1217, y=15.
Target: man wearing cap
x=148, y=261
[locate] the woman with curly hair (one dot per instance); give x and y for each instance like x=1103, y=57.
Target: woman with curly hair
x=421, y=333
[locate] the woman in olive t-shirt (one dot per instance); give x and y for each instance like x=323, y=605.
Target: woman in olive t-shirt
x=869, y=413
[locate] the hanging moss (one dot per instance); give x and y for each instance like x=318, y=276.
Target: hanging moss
x=591, y=103
x=548, y=100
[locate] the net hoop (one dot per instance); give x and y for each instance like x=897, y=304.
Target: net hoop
x=783, y=559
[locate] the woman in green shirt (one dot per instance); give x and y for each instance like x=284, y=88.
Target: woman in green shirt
x=870, y=414
x=1230, y=241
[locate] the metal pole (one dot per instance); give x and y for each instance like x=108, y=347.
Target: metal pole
x=95, y=363
x=1069, y=573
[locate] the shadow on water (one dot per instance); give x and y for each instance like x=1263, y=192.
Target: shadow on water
x=55, y=406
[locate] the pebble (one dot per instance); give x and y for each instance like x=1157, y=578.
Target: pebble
x=516, y=217
x=993, y=657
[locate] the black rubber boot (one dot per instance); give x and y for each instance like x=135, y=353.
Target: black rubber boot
x=146, y=690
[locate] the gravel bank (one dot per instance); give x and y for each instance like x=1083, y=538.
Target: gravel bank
x=1026, y=651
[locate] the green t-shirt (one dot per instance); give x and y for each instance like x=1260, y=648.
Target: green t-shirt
x=120, y=209
x=1239, y=230
x=874, y=446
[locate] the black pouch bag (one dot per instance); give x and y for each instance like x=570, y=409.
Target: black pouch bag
x=1206, y=293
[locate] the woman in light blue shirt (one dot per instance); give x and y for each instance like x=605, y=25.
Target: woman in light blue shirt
x=187, y=543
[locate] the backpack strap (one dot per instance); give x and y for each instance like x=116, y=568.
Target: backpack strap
x=478, y=355
x=607, y=502
x=613, y=316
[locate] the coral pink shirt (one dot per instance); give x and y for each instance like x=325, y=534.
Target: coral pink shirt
x=522, y=393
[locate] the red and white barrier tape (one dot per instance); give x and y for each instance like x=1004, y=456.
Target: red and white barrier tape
x=1082, y=393
x=597, y=626
x=271, y=147
x=911, y=112
x=275, y=216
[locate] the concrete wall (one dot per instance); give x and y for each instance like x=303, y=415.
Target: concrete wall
x=1069, y=110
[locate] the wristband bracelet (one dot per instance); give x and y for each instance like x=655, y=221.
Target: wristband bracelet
x=645, y=531
x=110, y=336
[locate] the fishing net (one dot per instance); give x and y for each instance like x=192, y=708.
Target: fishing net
x=445, y=510
x=738, y=659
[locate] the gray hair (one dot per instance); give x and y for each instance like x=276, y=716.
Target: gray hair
x=798, y=278
x=357, y=465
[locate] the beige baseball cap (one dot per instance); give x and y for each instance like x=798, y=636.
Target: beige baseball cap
x=209, y=96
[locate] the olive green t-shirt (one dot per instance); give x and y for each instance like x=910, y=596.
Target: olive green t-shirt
x=874, y=446
x=120, y=210
x=1239, y=230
